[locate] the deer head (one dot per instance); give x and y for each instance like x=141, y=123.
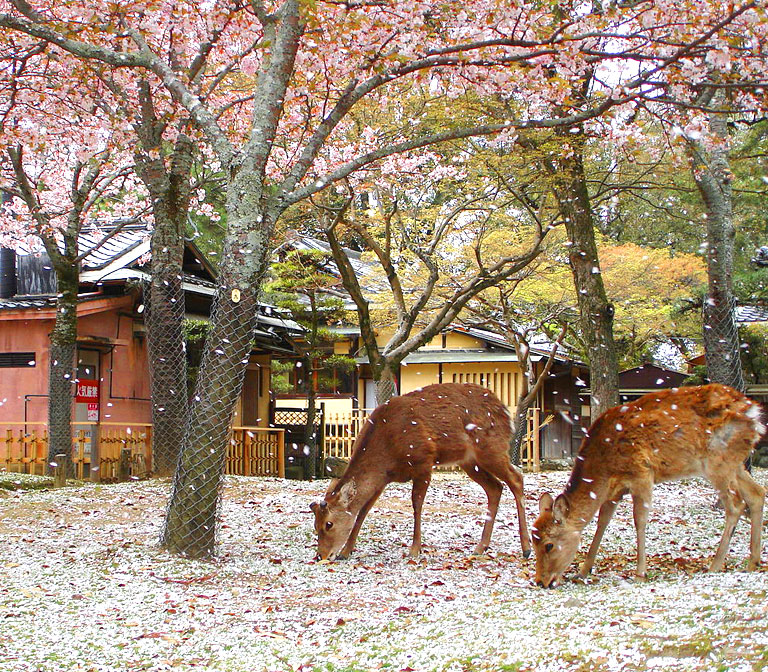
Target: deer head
x=554, y=542
x=334, y=519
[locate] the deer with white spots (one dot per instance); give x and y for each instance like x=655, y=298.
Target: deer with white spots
x=403, y=440
x=668, y=435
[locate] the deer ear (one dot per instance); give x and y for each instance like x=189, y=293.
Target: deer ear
x=545, y=503
x=347, y=493
x=561, y=508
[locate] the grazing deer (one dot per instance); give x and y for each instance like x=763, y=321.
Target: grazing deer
x=663, y=436
x=402, y=441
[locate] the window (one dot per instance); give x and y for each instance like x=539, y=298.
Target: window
x=17, y=360
x=335, y=379
x=336, y=376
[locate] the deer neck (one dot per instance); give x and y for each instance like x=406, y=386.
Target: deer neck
x=356, y=491
x=585, y=499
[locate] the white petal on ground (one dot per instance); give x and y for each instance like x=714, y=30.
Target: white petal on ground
x=85, y=587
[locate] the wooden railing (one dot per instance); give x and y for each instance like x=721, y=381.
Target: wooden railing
x=114, y=439
x=256, y=451
x=253, y=451
x=23, y=448
x=341, y=430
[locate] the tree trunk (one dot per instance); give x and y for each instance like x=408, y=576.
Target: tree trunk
x=168, y=370
x=310, y=440
x=170, y=191
x=61, y=372
x=595, y=311
x=521, y=428
x=190, y=526
x=386, y=383
x=721, y=336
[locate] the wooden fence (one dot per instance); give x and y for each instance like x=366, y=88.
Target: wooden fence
x=341, y=430
x=108, y=451
x=98, y=449
x=111, y=451
x=256, y=451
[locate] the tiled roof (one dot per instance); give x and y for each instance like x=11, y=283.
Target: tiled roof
x=126, y=240
x=307, y=243
x=27, y=302
x=751, y=314
x=540, y=345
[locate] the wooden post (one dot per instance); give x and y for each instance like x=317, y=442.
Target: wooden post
x=60, y=471
x=8, y=448
x=536, y=440
x=80, y=459
x=149, y=450
x=124, y=471
x=94, y=468
x=281, y=454
x=248, y=441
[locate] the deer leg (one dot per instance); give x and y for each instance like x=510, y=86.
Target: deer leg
x=641, y=505
x=419, y=491
x=734, y=507
x=754, y=495
x=493, y=490
x=514, y=480
x=604, y=517
x=352, y=539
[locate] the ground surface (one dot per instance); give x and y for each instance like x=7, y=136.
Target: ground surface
x=84, y=586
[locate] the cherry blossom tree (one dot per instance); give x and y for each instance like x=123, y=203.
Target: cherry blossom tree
x=63, y=171
x=280, y=127
x=709, y=96
x=162, y=156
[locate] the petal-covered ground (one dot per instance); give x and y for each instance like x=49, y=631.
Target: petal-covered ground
x=84, y=586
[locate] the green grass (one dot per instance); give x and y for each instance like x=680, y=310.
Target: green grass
x=12, y=481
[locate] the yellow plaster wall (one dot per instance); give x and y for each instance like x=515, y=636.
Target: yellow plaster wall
x=455, y=341
x=502, y=378
x=332, y=404
x=413, y=376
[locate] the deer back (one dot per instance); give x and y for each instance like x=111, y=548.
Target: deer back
x=439, y=424
x=670, y=434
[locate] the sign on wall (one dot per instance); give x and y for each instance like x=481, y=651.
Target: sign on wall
x=88, y=393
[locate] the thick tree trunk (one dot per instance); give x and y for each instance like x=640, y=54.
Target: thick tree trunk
x=168, y=366
x=190, y=526
x=721, y=337
x=61, y=373
x=170, y=191
x=595, y=311
x=165, y=340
